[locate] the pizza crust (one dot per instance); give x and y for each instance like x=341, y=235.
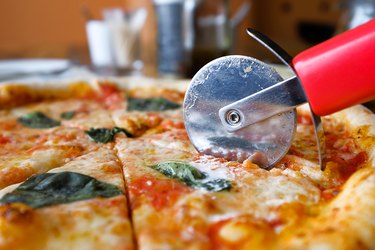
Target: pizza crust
x=13, y=95
x=346, y=223
x=97, y=223
x=361, y=121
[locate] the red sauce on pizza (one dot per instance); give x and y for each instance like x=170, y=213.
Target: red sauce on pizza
x=161, y=192
x=111, y=96
x=330, y=193
x=342, y=150
x=347, y=167
x=4, y=139
x=168, y=124
x=304, y=119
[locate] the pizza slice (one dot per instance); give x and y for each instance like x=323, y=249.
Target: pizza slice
x=347, y=222
x=80, y=205
x=344, y=218
x=183, y=199
x=33, y=144
x=40, y=136
x=140, y=123
x=25, y=151
x=345, y=151
x=150, y=111
x=78, y=113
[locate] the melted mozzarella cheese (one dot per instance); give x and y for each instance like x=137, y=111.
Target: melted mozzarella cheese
x=101, y=164
x=99, y=223
x=17, y=168
x=92, y=224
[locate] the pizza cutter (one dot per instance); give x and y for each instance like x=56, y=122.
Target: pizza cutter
x=239, y=108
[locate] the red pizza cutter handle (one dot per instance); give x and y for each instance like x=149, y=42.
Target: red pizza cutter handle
x=340, y=72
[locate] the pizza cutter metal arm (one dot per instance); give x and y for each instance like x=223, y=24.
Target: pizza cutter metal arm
x=327, y=76
x=281, y=97
x=271, y=101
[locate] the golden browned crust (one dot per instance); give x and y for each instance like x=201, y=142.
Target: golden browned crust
x=361, y=122
x=347, y=221
x=13, y=95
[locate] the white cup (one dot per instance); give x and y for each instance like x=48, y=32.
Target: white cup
x=100, y=44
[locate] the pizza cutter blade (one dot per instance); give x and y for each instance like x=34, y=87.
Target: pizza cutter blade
x=223, y=82
x=239, y=108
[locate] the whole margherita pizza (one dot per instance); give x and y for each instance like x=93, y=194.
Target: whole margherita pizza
x=110, y=166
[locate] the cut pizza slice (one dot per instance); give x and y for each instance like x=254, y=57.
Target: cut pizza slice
x=35, y=138
x=346, y=217
x=145, y=123
x=78, y=113
x=150, y=111
x=345, y=223
x=181, y=199
x=26, y=152
x=80, y=205
x=346, y=150
x=80, y=105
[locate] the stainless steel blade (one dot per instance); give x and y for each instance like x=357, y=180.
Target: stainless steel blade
x=279, y=98
x=287, y=60
x=225, y=81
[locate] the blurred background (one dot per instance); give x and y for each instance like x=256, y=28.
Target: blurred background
x=195, y=30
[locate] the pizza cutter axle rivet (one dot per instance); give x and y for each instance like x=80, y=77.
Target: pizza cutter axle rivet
x=233, y=117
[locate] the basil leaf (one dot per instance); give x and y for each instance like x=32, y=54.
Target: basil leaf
x=37, y=120
x=191, y=176
x=59, y=188
x=67, y=115
x=215, y=185
x=104, y=135
x=151, y=104
x=179, y=170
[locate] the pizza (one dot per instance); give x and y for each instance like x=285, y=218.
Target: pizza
x=105, y=165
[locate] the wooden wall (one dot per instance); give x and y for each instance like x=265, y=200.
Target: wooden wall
x=56, y=28
x=45, y=28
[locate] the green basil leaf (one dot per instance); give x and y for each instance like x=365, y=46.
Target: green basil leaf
x=104, y=135
x=191, y=176
x=100, y=135
x=67, y=115
x=37, y=120
x=179, y=170
x=151, y=104
x=215, y=185
x=59, y=188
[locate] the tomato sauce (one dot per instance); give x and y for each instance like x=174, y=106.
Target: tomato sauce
x=111, y=96
x=168, y=124
x=348, y=167
x=4, y=139
x=160, y=192
x=304, y=119
x=330, y=193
